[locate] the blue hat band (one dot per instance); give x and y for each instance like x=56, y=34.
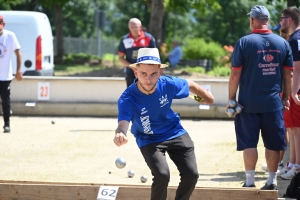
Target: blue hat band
x=152, y=58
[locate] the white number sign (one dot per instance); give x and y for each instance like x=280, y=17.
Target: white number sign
x=107, y=192
x=43, y=91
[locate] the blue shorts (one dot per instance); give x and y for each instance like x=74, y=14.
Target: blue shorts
x=271, y=125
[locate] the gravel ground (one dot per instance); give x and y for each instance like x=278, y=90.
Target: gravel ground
x=80, y=150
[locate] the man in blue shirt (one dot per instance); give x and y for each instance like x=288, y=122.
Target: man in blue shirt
x=130, y=44
x=175, y=55
x=262, y=65
x=156, y=127
x=290, y=23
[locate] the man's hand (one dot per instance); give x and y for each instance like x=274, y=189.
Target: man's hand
x=120, y=139
x=19, y=76
x=286, y=104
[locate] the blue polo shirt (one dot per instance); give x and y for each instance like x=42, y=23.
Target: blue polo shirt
x=261, y=56
x=129, y=46
x=152, y=118
x=294, y=41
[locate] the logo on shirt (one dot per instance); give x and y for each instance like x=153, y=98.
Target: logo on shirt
x=128, y=43
x=163, y=101
x=143, y=111
x=142, y=42
x=3, y=50
x=146, y=125
x=268, y=58
x=267, y=44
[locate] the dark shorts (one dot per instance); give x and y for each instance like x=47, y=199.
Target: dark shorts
x=271, y=125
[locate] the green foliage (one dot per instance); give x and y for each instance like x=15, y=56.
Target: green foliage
x=80, y=58
x=198, y=48
x=9, y=4
x=51, y=3
x=197, y=69
x=220, y=71
x=110, y=57
x=65, y=70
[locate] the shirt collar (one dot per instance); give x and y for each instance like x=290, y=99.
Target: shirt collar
x=142, y=35
x=267, y=31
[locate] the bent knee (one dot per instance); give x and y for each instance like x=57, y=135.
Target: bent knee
x=162, y=177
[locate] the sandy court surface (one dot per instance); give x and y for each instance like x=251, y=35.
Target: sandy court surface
x=80, y=150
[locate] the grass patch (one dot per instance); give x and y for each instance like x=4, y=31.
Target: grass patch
x=65, y=70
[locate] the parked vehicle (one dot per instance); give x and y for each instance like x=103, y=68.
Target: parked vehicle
x=33, y=31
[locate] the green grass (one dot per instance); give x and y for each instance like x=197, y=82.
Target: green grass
x=64, y=70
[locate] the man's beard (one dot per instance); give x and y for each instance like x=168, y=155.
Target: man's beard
x=154, y=85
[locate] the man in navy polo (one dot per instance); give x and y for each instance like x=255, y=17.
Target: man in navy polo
x=262, y=65
x=130, y=44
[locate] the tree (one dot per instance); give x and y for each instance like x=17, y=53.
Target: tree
x=156, y=19
x=57, y=5
x=158, y=9
x=8, y=4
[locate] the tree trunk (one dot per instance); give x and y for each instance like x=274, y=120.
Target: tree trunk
x=59, y=34
x=156, y=20
x=293, y=3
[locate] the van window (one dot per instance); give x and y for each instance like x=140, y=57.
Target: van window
x=22, y=35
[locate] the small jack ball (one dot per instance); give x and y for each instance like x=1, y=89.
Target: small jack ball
x=53, y=122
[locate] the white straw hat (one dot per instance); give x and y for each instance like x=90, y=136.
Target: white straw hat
x=148, y=56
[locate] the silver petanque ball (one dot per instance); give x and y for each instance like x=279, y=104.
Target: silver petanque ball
x=232, y=103
x=230, y=112
x=238, y=109
x=144, y=179
x=131, y=173
x=120, y=163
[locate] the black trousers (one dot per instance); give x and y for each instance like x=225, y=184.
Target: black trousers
x=129, y=76
x=5, y=98
x=181, y=152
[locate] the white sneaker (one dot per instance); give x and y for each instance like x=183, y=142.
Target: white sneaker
x=290, y=174
x=280, y=167
x=264, y=167
x=284, y=170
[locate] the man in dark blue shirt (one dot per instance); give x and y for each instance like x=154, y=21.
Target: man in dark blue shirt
x=290, y=23
x=262, y=66
x=130, y=44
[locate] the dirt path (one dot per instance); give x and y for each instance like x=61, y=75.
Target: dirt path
x=81, y=150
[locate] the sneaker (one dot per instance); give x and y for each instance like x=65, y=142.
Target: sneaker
x=269, y=187
x=265, y=167
x=290, y=174
x=284, y=170
x=280, y=167
x=248, y=186
x=6, y=129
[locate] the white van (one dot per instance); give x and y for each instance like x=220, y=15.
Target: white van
x=33, y=31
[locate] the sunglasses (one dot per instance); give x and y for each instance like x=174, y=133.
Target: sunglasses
x=283, y=18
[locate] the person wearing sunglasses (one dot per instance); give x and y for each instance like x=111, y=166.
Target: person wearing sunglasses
x=290, y=23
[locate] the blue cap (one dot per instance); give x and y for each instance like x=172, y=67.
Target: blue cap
x=259, y=12
x=276, y=28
